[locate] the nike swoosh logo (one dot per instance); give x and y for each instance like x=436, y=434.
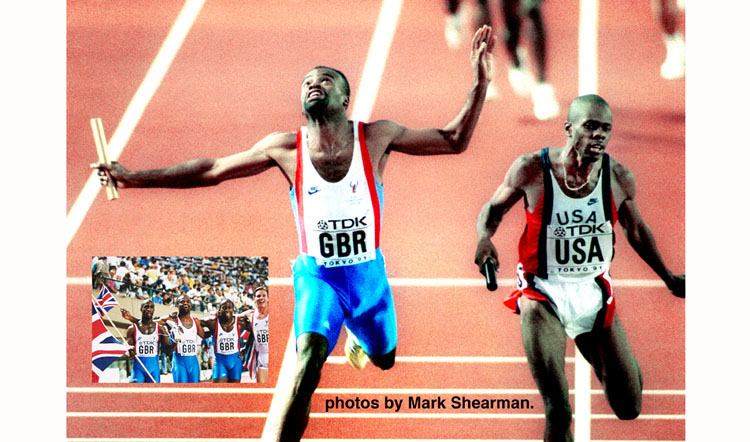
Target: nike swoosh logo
x=313, y=190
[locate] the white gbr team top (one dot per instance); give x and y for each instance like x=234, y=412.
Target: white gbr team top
x=227, y=343
x=337, y=223
x=146, y=345
x=260, y=329
x=579, y=235
x=188, y=344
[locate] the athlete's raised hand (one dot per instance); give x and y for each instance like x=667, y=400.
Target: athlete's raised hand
x=115, y=170
x=482, y=50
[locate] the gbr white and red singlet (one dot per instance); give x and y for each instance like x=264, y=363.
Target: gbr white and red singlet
x=337, y=223
x=260, y=331
x=565, y=253
x=339, y=276
x=188, y=344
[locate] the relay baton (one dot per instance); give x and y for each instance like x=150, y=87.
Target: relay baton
x=489, y=274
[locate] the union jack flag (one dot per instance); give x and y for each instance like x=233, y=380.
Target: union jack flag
x=105, y=300
x=105, y=349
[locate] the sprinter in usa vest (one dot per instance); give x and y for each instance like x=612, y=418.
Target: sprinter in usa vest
x=573, y=195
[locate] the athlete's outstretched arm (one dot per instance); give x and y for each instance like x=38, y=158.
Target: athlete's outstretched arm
x=210, y=324
x=639, y=234
x=202, y=172
x=455, y=136
x=506, y=196
x=166, y=345
x=161, y=320
x=130, y=339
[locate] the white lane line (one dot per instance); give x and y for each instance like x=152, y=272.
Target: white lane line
x=587, y=84
x=450, y=359
x=351, y=415
x=588, y=41
x=377, y=55
x=172, y=439
x=353, y=390
x=134, y=111
x=283, y=385
x=429, y=282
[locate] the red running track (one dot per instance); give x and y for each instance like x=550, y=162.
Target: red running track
x=235, y=79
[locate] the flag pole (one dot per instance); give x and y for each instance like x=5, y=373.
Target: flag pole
x=101, y=309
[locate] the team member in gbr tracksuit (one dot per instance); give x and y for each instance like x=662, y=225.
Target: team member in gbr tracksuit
x=573, y=195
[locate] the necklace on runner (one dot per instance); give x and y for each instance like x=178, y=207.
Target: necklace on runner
x=574, y=189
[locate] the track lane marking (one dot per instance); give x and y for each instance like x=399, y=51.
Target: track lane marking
x=428, y=282
x=477, y=391
x=350, y=415
x=154, y=76
x=130, y=439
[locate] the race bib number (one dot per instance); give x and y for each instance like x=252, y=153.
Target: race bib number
x=262, y=336
x=188, y=348
x=342, y=242
x=227, y=345
x=584, y=249
x=146, y=348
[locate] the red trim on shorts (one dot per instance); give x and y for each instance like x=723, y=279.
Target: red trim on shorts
x=609, y=304
x=511, y=301
x=364, y=153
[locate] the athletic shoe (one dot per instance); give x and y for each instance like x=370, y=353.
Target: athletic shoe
x=521, y=80
x=674, y=65
x=355, y=355
x=453, y=31
x=545, y=104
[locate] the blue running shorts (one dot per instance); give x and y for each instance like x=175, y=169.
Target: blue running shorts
x=140, y=376
x=185, y=369
x=227, y=366
x=358, y=296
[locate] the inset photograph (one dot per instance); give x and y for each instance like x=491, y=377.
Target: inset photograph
x=158, y=319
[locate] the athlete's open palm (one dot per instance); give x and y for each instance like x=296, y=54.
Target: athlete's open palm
x=482, y=50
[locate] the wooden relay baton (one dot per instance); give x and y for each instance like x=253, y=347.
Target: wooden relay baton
x=101, y=149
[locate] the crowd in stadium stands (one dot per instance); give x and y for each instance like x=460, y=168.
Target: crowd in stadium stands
x=207, y=280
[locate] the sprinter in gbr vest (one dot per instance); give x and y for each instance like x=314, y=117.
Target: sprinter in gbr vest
x=146, y=339
x=340, y=272
x=573, y=196
x=187, y=332
x=256, y=359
